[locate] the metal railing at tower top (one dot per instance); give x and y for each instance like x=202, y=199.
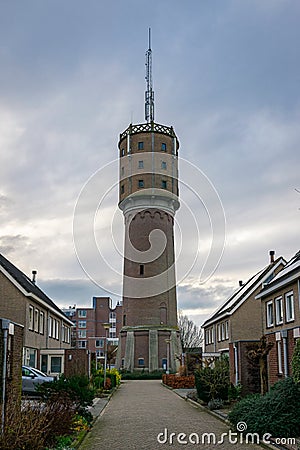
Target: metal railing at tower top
x=148, y=127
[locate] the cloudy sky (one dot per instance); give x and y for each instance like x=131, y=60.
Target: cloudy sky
x=226, y=77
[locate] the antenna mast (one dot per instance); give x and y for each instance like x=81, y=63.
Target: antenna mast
x=149, y=94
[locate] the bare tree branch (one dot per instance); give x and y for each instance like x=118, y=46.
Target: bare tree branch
x=190, y=334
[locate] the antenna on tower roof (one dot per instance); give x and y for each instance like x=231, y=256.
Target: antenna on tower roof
x=149, y=94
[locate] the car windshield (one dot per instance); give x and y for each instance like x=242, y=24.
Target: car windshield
x=38, y=372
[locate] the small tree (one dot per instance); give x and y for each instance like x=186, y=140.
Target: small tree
x=190, y=334
x=258, y=355
x=296, y=362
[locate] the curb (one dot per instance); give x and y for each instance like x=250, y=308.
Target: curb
x=218, y=416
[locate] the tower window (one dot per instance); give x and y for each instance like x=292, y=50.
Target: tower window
x=140, y=145
x=163, y=147
x=124, y=320
x=122, y=152
x=122, y=189
x=164, y=165
x=141, y=183
x=142, y=269
x=122, y=171
x=163, y=184
x=141, y=362
x=141, y=164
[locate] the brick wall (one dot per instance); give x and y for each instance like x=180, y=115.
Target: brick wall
x=76, y=362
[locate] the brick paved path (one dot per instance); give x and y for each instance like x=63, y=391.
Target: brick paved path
x=140, y=410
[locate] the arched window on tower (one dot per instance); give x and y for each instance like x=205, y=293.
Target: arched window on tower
x=124, y=320
x=163, y=313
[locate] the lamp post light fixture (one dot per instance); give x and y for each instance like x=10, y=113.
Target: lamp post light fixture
x=106, y=327
x=168, y=341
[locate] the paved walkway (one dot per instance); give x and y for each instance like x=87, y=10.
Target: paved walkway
x=139, y=411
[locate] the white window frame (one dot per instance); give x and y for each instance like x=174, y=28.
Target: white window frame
x=226, y=330
x=82, y=313
x=50, y=326
x=269, y=318
x=278, y=310
x=82, y=344
x=36, y=319
x=42, y=318
x=289, y=306
x=31, y=317
x=81, y=334
x=98, y=343
x=80, y=322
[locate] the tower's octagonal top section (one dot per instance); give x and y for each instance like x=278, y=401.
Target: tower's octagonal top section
x=148, y=156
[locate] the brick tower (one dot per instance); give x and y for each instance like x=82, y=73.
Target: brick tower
x=148, y=189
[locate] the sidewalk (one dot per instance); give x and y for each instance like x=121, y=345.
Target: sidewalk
x=141, y=411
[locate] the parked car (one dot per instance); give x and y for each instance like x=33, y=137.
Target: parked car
x=31, y=378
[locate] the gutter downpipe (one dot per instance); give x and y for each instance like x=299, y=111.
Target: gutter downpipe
x=236, y=366
x=285, y=353
x=5, y=327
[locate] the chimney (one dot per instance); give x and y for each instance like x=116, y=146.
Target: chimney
x=272, y=256
x=34, y=272
x=241, y=283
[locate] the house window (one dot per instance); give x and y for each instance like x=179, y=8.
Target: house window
x=289, y=306
x=36, y=320
x=141, y=362
x=164, y=165
x=112, y=315
x=99, y=343
x=122, y=189
x=50, y=326
x=82, y=313
x=99, y=354
x=163, y=184
x=141, y=184
x=55, y=364
x=141, y=164
x=81, y=323
x=223, y=331
x=279, y=357
x=142, y=269
x=82, y=344
x=164, y=147
x=270, y=314
x=140, y=145
x=112, y=334
x=211, y=336
x=41, y=322
x=219, y=332
x=82, y=334
x=226, y=329
x=279, y=310
x=56, y=329
x=30, y=317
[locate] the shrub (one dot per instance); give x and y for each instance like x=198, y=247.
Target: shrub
x=76, y=388
x=37, y=425
x=296, y=362
x=277, y=412
x=142, y=375
x=213, y=382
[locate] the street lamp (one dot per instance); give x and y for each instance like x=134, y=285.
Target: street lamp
x=168, y=341
x=106, y=327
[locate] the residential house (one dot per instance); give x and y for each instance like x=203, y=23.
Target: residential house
x=280, y=300
x=237, y=324
x=47, y=331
